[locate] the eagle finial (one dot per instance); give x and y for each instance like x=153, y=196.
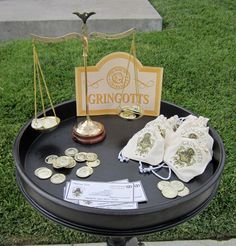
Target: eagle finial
x=84, y=17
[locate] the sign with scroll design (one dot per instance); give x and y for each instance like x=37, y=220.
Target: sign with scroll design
x=111, y=83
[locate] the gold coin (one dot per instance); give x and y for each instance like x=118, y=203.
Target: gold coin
x=50, y=122
x=128, y=115
x=71, y=151
x=84, y=172
x=58, y=178
x=72, y=164
x=50, y=159
x=177, y=185
x=37, y=124
x=80, y=157
x=43, y=173
x=93, y=163
x=91, y=157
x=162, y=184
x=169, y=192
x=62, y=161
x=184, y=192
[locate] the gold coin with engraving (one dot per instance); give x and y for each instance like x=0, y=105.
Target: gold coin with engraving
x=184, y=192
x=162, y=184
x=127, y=115
x=93, y=163
x=72, y=163
x=81, y=156
x=50, y=159
x=71, y=151
x=58, y=178
x=43, y=173
x=84, y=172
x=91, y=156
x=62, y=161
x=169, y=192
x=177, y=185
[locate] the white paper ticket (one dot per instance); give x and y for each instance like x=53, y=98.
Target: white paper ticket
x=101, y=191
x=139, y=194
x=89, y=203
x=110, y=205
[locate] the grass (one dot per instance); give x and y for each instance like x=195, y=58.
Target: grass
x=196, y=49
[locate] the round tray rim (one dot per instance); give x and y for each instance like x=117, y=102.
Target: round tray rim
x=112, y=232
x=210, y=182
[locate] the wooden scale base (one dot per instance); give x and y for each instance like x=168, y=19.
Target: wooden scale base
x=88, y=132
x=86, y=139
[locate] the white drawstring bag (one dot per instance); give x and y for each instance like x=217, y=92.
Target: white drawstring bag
x=184, y=144
x=174, y=122
x=160, y=125
x=187, y=158
x=199, y=134
x=146, y=146
x=193, y=121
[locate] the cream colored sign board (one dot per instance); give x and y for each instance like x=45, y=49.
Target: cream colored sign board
x=111, y=83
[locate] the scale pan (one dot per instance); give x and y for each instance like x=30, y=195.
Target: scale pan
x=45, y=123
x=130, y=112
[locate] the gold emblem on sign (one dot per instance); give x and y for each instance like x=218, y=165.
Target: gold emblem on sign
x=118, y=77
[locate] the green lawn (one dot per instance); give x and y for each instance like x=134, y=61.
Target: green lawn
x=196, y=49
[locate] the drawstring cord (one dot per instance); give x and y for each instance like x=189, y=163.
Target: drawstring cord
x=150, y=169
x=154, y=169
x=122, y=158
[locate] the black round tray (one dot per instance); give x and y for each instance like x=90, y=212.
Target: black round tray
x=31, y=148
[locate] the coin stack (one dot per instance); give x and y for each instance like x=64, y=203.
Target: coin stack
x=66, y=161
x=45, y=123
x=172, y=189
x=91, y=160
x=128, y=115
x=72, y=155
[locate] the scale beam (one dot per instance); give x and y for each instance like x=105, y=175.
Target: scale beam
x=112, y=36
x=76, y=35
x=44, y=39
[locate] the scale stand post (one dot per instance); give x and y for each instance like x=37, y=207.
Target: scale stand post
x=87, y=131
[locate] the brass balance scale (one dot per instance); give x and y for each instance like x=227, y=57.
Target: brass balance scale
x=87, y=131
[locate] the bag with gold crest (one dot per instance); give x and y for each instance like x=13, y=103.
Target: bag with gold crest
x=183, y=144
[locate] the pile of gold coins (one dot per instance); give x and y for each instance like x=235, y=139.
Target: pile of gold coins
x=72, y=155
x=172, y=189
x=91, y=160
x=45, y=123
